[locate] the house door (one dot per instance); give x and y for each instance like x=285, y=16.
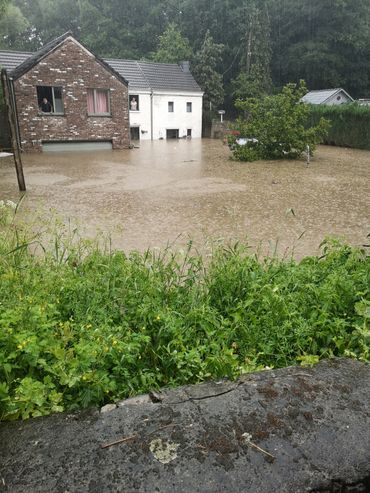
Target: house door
x=172, y=133
x=135, y=133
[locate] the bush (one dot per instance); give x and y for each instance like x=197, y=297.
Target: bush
x=349, y=124
x=279, y=124
x=81, y=327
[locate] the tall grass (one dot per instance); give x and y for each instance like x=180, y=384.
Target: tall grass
x=82, y=325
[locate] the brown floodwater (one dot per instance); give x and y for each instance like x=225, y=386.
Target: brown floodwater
x=172, y=191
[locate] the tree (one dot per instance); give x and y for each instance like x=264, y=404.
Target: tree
x=277, y=126
x=254, y=79
x=3, y=5
x=173, y=47
x=204, y=70
x=325, y=41
x=12, y=24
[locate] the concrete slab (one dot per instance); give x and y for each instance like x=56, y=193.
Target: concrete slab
x=291, y=430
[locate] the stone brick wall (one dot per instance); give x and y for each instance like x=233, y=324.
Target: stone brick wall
x=74, y=69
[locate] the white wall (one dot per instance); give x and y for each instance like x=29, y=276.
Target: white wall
x=335, y=101
x=162, y=119
x=179, y=119
x=141, y=118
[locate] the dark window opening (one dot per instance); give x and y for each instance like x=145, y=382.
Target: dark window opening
x=172, y=133
x=50, y=100
x=134, y=103
x=188, y=132
x=189, y=107
x=171, y=106
x=135, y=133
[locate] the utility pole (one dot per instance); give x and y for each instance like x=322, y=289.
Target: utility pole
x=10, y=109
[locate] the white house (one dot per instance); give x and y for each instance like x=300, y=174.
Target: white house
x=329, y=97
x=165, y=101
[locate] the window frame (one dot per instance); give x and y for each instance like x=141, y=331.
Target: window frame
x=95, y=89
x=53, y=112
x=171, y=104
x=189, y=107
x=137, y=96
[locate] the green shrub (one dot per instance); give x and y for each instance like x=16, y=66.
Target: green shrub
x=279, y=126
x=80, y=326
x=349, y=124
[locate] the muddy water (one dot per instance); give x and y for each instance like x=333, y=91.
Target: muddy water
x=172, y=191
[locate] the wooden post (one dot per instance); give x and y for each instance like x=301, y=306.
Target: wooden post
x=10, y=109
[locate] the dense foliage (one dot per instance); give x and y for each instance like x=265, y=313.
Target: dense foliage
x=80, y=326
x=325, y=42
x=276, y=126
x=172, y=47
x=349, y=124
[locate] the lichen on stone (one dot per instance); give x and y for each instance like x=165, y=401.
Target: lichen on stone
x=164, y=452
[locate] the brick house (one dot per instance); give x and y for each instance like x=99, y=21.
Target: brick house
x=64, y=93
x=164, y=99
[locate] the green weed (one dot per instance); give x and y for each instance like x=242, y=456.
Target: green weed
x=81, y=325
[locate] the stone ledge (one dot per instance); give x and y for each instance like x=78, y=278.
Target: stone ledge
x=291, y=430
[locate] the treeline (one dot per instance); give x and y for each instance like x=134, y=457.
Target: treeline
x=240, y=47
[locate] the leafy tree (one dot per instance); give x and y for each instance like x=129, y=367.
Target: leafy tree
x=277, y=126
x=12, y=23
x=204, y=70
x=327, y=42
x=173, y=47
x=254, y=79
x=3, y=5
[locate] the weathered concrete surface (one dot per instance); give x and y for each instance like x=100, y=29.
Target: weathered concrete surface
x=315, y=422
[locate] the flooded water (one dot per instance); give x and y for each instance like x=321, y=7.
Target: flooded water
x=170, y=191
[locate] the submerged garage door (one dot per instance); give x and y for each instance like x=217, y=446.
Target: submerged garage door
x=76, y=146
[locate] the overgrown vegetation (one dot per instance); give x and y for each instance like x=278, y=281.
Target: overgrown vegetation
x=349, y=124
x=276, y=126
x=81, y=326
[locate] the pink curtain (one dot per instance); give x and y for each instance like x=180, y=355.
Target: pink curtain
x=90, y=101
x=101, y=101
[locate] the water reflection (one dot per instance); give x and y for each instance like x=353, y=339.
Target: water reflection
x=149, y=196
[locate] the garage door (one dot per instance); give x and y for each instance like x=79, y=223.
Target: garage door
x=76, y=146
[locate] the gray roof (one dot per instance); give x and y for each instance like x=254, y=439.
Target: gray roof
x=155, y=76
x=321, y=96
x=130, y=69
x=11, y=59
x=140, y=75
x=33, y=59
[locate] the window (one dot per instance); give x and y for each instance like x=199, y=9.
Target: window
x=134, y=103
x=172, y=133
x=170, y=106
x=189, y=107
x=135, y=133
x=49, y=99
x=98, y=102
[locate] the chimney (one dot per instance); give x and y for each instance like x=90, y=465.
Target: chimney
x=185, y=65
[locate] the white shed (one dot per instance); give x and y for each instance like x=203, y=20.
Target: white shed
x=327, y=96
